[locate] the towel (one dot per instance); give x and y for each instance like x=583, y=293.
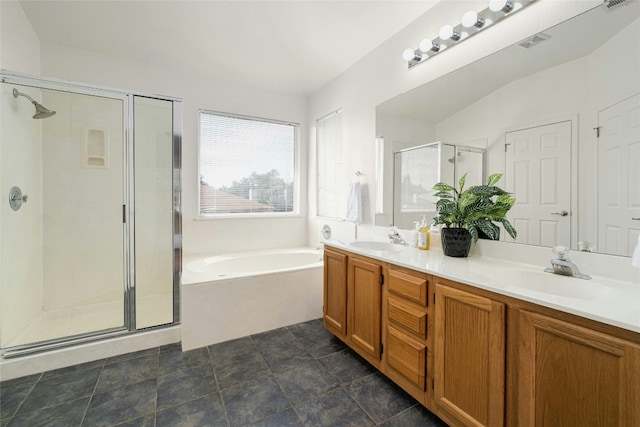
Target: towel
x=354, y=203
x=635, y=260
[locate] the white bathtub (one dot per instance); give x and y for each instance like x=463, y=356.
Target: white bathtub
x=232, y=296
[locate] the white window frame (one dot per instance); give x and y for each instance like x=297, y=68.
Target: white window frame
x=340, y=185
x=296, y=173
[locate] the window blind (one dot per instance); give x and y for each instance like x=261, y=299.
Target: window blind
x=247, y=165
x=332, y=191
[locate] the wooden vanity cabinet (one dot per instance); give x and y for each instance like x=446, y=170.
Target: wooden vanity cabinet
x=364, y=308
x=469, y=357
x=478, y=358
x=406, y=331
x=352, y=307
x=569, y=375
x=334, y=309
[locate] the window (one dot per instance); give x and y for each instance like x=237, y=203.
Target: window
x=332, y=190
x=247, y=165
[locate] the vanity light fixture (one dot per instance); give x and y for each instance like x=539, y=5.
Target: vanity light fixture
x=472, y=22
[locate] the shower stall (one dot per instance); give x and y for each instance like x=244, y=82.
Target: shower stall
x=90, y=226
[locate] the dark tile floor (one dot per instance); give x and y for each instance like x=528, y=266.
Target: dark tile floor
x=295, y=376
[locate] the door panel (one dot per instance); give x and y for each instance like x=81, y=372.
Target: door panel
x=63, y=257
x=618, y=188
x=365, y=303
x=153, y=133
x=538, y=173
x=335, y=292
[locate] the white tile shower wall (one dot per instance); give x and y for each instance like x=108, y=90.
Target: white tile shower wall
x=21, y=230
x=82, y=235
x=198, y=92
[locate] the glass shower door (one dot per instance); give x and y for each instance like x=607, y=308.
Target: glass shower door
x=62, y=256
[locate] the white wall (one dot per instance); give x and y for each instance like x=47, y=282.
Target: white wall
x=197, y=92
x=19, y=44
x=382, y=75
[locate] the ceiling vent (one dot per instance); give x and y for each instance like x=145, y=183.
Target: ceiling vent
x=612, y=4
x=534, y=40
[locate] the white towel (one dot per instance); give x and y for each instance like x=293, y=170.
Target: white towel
x=354, y=203
x=635, y=260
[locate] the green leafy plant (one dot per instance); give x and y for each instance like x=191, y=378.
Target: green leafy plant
x=476, y=208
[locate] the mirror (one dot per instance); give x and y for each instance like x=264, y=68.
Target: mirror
x=550, y=112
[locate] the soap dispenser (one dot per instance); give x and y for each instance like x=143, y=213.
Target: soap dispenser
x=424, y=235
x=414, y=234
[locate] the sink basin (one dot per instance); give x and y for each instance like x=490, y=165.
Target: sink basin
x=375, y=245
x=547, y=283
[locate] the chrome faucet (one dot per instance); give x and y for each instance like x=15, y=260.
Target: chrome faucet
x=396, y=238
x=563, y=265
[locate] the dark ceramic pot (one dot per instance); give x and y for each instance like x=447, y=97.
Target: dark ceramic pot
x=456, y=242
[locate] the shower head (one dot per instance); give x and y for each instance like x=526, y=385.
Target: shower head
x=453, y=159
x=41, y=111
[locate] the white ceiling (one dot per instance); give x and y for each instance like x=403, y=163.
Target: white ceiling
x=286, y=46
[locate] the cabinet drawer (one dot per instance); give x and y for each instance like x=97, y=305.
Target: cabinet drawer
x=407, y=356
x=413, y=288
x=408, y=316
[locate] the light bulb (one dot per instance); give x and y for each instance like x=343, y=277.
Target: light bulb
x=505, y=6
x=471, y=19
x=425, y=45
x=446, y=32
x=408, y=54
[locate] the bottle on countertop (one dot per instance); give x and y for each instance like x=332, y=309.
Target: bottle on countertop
x=424, y=235
x=414, y=234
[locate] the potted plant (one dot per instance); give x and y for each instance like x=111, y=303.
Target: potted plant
x=467, y=212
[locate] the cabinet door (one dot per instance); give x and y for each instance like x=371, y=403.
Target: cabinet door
x=364, y=301
x=407, y=356
x=469, y=358
x=335, y=292
x=573, y=376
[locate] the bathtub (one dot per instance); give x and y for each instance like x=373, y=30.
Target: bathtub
x=231, y=296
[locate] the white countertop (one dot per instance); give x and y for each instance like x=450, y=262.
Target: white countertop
x=606, y=300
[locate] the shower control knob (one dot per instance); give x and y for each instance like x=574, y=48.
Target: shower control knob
x=16, y=198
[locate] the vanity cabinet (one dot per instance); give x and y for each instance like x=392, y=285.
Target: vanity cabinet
x=469, y=357
x=364, y=306
x=406, y=352
x=334, y=309
x=568, y=375
x=352, y=307
x=479, y=358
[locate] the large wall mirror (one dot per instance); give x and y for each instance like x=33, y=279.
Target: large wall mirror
x=558, y=114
